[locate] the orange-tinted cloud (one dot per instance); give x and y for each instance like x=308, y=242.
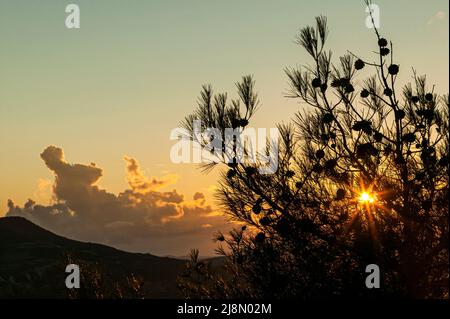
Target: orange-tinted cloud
x=140, y=183
x=141, y=218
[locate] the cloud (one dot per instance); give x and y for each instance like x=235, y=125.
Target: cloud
x=44, y=190
x=142, y=184
x=141, y=218
x=438, y=16
x=199, y=196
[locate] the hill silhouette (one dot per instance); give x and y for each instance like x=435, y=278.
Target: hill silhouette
x=33, y=261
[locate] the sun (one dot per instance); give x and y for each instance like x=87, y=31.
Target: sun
x=366, y=198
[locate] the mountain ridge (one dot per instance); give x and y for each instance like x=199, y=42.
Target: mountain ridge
x=33, y=260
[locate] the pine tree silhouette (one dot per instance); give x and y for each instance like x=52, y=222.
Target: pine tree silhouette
x=362, y=179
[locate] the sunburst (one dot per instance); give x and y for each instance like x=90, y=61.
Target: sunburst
x=366, y=197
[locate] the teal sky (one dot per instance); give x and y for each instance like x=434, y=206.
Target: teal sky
x=120, y=83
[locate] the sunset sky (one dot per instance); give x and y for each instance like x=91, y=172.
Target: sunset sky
x=110, y=92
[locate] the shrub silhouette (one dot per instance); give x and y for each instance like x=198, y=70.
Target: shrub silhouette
x=99, y=283
x=305, y=234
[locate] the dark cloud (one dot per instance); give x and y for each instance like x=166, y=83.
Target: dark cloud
x=142, y=218
x=199, y=195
